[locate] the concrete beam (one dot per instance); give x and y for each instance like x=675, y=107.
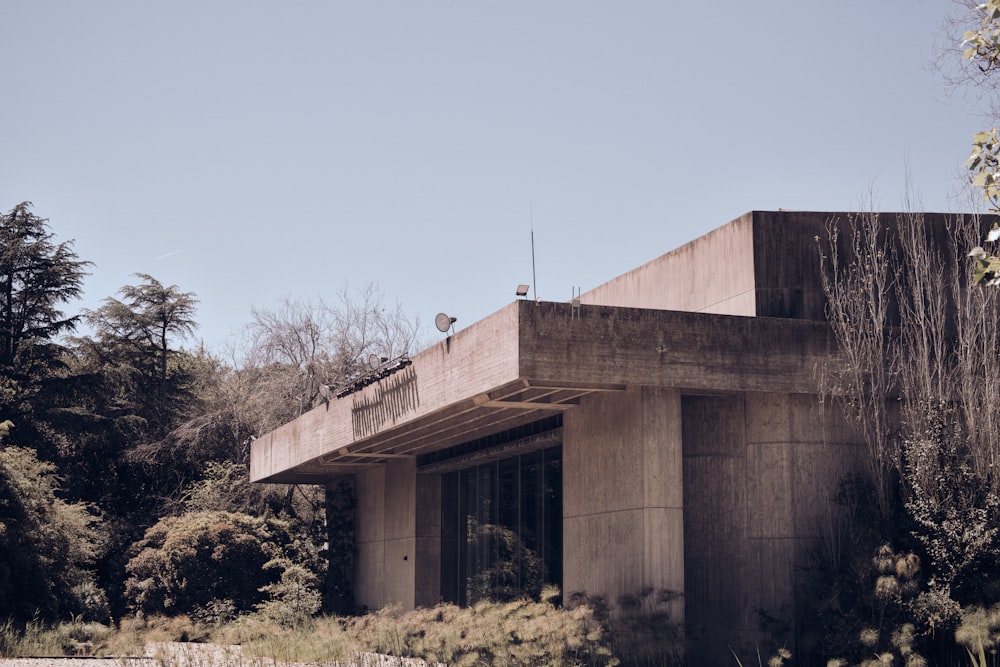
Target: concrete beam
x=531, y=360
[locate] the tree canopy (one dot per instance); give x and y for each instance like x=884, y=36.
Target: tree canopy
x=38, y=277
x=124, y=451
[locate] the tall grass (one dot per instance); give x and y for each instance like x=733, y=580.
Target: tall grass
x=521, y=632
x=39, y=639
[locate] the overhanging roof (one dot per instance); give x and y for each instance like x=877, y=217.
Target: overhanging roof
x=531, y=360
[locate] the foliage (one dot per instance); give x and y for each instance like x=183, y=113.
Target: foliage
x=340, y=501
x=145, y=322
x=301, y=346
x=514, y=570
x=37, y=276
x=185, y=564
x=643, y=628
x=979, y=635
x=981, y=50
x=294, y=597
x=127, y=423
x=73, y=637
x=956, y=516
x=519, y=632
x=858, y=288
x=918, y=362
x=47, y=545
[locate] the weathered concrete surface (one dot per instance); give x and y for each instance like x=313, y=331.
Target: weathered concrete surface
x=531, y=360
x=385, y=529
x=760, y=474
x=622, y=495
x=712, y=274
x=763, y=263
x=443, y=375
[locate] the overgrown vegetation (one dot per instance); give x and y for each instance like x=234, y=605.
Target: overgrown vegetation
x=124, y=454
x=520, y=632
x=918, y=340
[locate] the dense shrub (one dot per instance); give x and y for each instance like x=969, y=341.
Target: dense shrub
x=47, y=546
x=520, y=632
x=208, y=564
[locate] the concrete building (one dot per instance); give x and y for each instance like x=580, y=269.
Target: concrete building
x=666, y=432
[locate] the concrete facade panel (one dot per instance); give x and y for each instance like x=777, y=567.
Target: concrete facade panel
x=679, y=280
x=771, y=576
x=663, y=485
x=821, y=420
x=385, y=534
x=818, y=472
x=602, y=457
x=401, y=497
x=398, y=572
x=603, y=554
x=715, y=522
x=713, y=426
x=369, y=575
x=715, y=598
x=716, y=486
x=664, y=552
x=769, y=417
x=770, y=507
x=369, y=525
x=622, y=494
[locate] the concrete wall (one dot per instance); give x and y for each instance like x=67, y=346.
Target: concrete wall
x=386, y=537
x=712, y=274
x=764, y=263
x=622, y=495
x=760, y=474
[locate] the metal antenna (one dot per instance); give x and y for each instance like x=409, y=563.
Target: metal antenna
x=534, y=279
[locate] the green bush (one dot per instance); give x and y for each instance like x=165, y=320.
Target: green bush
x=48, y=546
x=209, y=564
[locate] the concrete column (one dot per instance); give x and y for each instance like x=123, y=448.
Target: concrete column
x=386, y=535
x=715, y=501
x=369, y=531
x=428, y=541
x=622, y=495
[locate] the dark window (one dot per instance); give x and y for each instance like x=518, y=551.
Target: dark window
x=501, y=532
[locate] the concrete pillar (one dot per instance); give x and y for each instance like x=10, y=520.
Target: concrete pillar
x=715, y=503
x=386, y=535
x=622, y=495
x=369, y=531
x=428, y=541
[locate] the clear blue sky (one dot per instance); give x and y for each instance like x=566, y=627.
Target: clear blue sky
x=248, y=150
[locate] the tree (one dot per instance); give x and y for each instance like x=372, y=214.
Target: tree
x=918, y=343
x=132, y=385
x=48, y=547
x=146, y=322
x=325, y=343
x=37, y=276
x=981, y=52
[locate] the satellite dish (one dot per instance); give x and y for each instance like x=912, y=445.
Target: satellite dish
x=374, y=361
x=443, y=322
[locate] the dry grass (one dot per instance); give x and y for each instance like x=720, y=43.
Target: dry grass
x=503, y=634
